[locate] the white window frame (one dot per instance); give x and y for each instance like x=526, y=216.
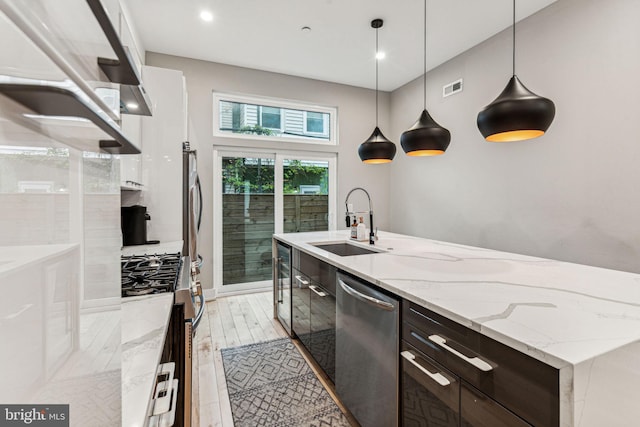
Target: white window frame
x=325, y=122
x=277, y=103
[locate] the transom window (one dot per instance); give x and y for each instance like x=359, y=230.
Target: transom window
x=259, y=118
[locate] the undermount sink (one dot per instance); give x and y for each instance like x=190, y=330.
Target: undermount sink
x=344, y=249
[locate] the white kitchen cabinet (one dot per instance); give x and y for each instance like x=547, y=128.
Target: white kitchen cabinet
x=163, y=135
x=38, y=315
x=60, y=293
x=21, y=324
x=131, y=164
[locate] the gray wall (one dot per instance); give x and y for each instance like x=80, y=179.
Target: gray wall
x=573, y=194
x=356, y=112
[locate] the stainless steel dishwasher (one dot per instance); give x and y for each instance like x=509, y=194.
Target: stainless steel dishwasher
x=367, y=324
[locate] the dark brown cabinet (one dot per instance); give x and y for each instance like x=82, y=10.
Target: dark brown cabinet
x=314, y=309
x=453, y=376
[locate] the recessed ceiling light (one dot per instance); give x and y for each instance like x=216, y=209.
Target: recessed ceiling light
x=380, y=55
x=206, y=16
x=305, y=29
x=132, y=105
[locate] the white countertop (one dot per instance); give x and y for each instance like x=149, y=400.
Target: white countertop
x=15, y=257
x=583, y=320
x=158, y=248
x=144, y=325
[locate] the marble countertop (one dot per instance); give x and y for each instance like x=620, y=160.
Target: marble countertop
x=158, y=248
x=15, y=257
x=144, y=325
x=582, y=320
x=557, y=312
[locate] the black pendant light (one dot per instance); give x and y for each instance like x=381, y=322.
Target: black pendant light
x=425, y=137
x=377, y=148
x=517, y=114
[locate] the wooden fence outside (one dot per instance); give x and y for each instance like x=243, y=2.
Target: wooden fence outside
x=247, y=226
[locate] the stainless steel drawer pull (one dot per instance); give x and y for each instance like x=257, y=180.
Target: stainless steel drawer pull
x=302, y=281
x=366, y=298
x=475, y=361
x=437, y=377
x=318, y=292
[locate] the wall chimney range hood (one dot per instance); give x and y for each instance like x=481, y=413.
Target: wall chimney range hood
x=121, y=70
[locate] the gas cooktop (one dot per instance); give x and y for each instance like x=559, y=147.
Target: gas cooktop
x=150, y=274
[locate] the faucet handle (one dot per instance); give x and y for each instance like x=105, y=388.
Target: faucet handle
x=375, y=236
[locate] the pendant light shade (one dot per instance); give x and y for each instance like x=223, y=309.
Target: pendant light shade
x=517, y=114
x=425, y=137
x=377, y=148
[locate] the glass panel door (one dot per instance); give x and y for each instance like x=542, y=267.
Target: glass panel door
x=305, y=188
x=247, y=219
x=256, y=194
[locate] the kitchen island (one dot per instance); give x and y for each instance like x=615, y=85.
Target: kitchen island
x=583, y=321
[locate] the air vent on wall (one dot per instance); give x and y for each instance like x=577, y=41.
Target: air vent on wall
x=452, y=88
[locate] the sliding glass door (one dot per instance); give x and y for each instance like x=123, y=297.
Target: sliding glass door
x=257, y=194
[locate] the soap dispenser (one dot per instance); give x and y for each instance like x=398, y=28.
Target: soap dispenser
x=354, y=229
x=361, y=233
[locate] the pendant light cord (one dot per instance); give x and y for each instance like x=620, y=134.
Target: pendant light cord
x=513, y=29
x=424, y=81
x=377, y=76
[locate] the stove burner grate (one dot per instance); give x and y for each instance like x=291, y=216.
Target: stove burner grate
x=150, y=274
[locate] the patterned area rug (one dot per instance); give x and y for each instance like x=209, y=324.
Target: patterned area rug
x=270, y=384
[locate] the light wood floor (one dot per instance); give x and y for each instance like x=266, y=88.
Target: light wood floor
x=229, y=322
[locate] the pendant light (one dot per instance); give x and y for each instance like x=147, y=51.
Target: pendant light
x=517, y=114
x=425, y=137
x=377, y=148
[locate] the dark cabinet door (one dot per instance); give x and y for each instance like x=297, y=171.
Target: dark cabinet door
x=301, y=307
x=430, y=393
x=282, y=285
x=323, y=328
x=479, y=410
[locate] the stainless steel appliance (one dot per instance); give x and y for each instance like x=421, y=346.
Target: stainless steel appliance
x=367, y=324
x=282, y=285
x=191, y=220
x=159, y=273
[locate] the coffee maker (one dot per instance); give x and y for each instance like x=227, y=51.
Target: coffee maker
x=133, y=220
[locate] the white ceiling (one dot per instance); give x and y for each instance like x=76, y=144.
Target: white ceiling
x=340, y=47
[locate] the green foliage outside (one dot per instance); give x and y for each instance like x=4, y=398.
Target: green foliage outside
x=236, y=174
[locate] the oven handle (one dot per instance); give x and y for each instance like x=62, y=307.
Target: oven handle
x=437, y=377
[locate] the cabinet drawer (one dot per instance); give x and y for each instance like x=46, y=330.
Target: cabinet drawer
x=477, y=410
x=317, y=270
x=526, y=386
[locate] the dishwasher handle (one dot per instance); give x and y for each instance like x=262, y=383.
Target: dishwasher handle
x=366, y=298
